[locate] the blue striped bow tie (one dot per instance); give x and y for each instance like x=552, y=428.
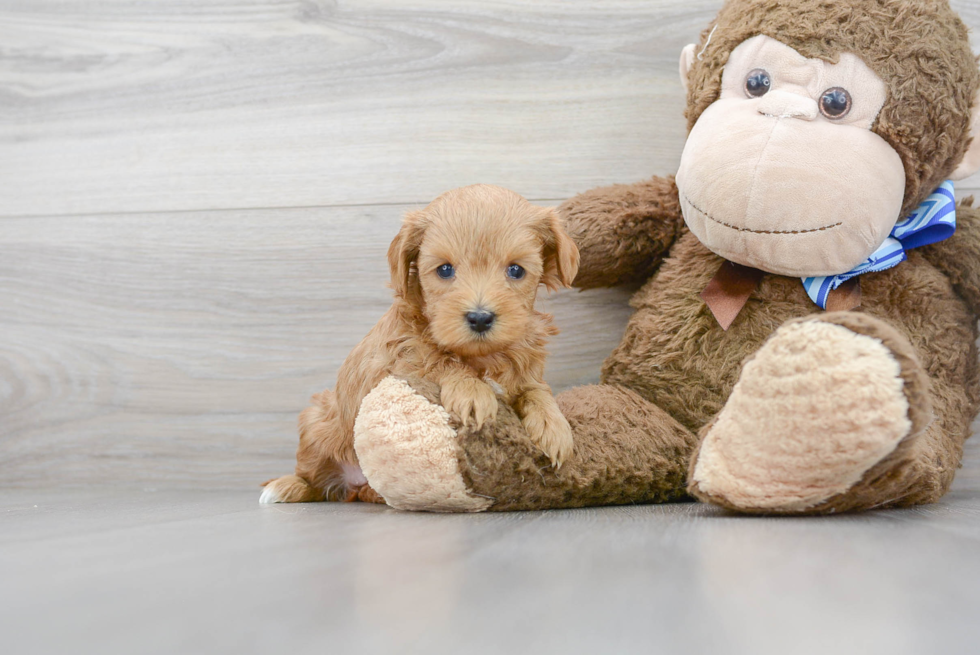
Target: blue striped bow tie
x=933, y=220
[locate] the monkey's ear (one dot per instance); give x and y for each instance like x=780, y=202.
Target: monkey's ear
x=688, y=55
x=402, y=253
x=971, y=159
x=561, y=256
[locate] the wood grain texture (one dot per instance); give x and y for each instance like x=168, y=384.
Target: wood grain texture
x=192, y=572
x=144, y=352
x=180, y=347
x=125, y=106
x=141, y=347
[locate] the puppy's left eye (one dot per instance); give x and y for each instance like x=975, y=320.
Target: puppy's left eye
x=446, y=271
x=515, y=272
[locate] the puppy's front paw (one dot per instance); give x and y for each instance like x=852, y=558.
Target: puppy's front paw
x=470, y=399
x=550, y=431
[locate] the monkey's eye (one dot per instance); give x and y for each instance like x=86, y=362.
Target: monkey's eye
x=757, y=83
x=446, y=271
x=835, y=103
x=515, y=272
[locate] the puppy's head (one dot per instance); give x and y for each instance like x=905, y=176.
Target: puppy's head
x=471, y=263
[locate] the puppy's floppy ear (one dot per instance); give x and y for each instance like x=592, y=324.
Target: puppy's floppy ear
x=402, y=253
x=560, y=252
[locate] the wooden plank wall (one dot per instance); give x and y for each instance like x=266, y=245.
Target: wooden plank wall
x=196, y=197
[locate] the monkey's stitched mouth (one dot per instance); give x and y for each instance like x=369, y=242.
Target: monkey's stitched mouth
x=745, y=229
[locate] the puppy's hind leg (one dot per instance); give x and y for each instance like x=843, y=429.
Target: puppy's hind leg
x=289, y=489
x=323, y=444
x=326, y=465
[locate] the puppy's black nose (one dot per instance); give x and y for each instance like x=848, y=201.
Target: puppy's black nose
x=480, y=321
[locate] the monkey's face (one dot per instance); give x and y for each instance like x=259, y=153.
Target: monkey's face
x=783, y=172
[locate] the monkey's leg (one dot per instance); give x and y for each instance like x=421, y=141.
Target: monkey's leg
x=829, y=415
x=626, y=450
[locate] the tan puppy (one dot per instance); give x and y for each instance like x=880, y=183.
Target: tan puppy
x=465, y=271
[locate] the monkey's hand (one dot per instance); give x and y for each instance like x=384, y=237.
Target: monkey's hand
x=959, y=256
x=622, y=231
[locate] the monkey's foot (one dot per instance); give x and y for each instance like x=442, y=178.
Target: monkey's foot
x=822, y=420
x=409, y=453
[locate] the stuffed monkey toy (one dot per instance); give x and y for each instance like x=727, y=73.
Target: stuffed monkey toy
x=804, y=336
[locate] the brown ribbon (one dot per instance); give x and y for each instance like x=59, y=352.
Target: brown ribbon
x=730, y=288
x=845, y=297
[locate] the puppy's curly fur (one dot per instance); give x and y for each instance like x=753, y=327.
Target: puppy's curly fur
x=465, y=271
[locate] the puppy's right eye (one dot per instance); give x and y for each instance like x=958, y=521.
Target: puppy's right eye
x=446, y=271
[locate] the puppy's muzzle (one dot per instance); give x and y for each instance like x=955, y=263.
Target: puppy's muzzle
x=480, y=321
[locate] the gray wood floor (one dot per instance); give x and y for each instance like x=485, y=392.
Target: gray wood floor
x=213, y=572
x=195, y=201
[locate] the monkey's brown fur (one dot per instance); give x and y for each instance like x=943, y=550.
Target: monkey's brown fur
x=675, y=368
x=677, y=357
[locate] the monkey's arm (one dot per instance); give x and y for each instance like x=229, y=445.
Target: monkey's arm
x=959, y=256
x=623, y=231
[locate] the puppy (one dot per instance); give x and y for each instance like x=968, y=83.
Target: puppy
x=465, y=271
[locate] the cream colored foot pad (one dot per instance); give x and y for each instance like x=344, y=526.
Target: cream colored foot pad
x=816, y=408
x=407, y=451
